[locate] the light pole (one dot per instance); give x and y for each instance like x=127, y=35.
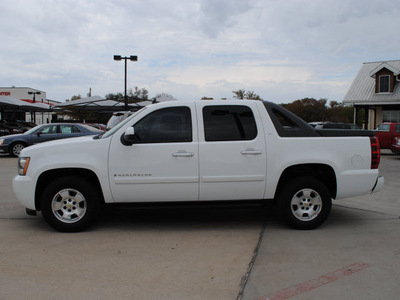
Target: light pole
x=34, y=100
x=131, y=58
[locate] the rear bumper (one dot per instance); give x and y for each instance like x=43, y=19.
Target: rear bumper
x=378, y=184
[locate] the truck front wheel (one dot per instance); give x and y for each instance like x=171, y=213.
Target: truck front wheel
x=70, y=204
x=305, y=203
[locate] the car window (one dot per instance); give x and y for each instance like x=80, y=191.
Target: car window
x=228, y=123
x=167, y=125
x=384, y=127
x=50, y=129
x=69, y=129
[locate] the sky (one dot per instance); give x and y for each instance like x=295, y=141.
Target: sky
x=281, y=50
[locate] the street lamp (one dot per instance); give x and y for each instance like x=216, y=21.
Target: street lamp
x=34, y=100
x=131, y=58
x=34, y=94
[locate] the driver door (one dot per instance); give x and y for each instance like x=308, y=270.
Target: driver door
x=163, y=164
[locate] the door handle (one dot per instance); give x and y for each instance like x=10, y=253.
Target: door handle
x=183, y=154
x=251, y=151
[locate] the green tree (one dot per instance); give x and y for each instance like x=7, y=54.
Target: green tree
x=133, y=95
x=312, y=110
x=309, y=109
x=247, y=95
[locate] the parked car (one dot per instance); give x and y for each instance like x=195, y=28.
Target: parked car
x=202, y=152
x=13, y=144
x=102, y=127
x=26, y=125
x=396, y=146
x=117, y=117
x=334, y=125
x=4, y=130
x=14, y=127
x=386, y=134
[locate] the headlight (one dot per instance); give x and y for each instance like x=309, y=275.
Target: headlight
x=23, y=164
x=1, y=142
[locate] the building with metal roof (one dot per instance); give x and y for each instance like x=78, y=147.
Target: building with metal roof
x=376, y=89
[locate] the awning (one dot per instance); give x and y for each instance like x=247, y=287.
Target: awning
x=101, y=105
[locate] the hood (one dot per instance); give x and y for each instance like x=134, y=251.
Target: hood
x=10, y=136
x=57, y=144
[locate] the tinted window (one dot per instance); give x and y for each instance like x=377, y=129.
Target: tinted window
x=384, y=84
x=384, y=127
x=48, y=129
x=284, y=120
x=167, y=125
x=69, y=129
x=229, y=123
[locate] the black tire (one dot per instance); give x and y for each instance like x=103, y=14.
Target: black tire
x=70, y=204
x=305, y=203
x=16, y=148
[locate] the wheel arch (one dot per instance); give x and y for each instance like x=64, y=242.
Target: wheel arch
x=25, y=144
x=50, y=175
x=322, y=172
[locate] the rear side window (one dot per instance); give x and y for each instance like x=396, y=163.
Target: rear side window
x=69, y=129
x=167, y=125
x=229, y=123
x=383, y=127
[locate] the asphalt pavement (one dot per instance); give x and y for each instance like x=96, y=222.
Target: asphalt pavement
x=207, y=253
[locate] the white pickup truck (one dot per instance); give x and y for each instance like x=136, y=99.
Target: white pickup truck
x=203, y=152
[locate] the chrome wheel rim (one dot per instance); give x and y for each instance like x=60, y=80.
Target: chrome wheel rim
x=306, y=204
x=69, y=205
x=17, y=149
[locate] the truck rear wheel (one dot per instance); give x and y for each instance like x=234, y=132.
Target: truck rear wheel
x=305, y=203
x=70, y=204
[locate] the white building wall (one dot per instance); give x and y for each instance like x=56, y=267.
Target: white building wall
x=22, y=94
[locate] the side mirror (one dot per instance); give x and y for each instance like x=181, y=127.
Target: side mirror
x=129, y=137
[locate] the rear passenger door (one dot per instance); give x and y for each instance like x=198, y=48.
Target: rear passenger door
x=231, y=151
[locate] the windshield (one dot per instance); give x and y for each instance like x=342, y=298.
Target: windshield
x=119, y=125
x=34, y=129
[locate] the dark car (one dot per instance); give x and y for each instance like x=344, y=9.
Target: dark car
x=26, y=125
x=4, y=130
x=14, y=127
x=13, y=144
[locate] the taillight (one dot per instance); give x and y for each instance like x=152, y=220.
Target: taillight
x=375, y=153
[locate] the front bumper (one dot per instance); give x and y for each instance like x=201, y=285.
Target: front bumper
x=378, y=184
x=4, y=148
x=395, y=149
x=24, y=189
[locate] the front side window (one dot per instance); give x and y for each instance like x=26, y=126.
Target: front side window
x=384, y=81
x=229, y=123
x=383, y=127
x=167, y=125
x=51, y=129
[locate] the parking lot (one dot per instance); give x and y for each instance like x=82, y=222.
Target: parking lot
x=207, y=253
